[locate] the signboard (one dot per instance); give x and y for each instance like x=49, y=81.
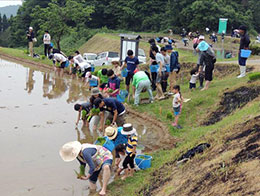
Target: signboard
x=222, y=28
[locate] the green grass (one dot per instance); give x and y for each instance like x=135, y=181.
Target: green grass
x=192, y=134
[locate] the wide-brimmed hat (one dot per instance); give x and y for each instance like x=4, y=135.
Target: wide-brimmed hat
x=201, y=37
x=70, y=151
x=203, y=46
x=95, y=91
x=168, y=47
x=128, y=129
x=111, y=132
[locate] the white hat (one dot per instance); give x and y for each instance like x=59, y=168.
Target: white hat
x=201, y=37
x=70, y=151
x=30, y=28
x=111, y=132
x=128, y=129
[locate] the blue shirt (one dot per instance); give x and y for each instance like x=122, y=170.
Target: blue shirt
x=114, y=83
x=87, y=156
x=112, y=104
x=120, y=138
x=131, y=64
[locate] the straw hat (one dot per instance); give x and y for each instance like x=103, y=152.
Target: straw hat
x=70, y=151
x=111, y=132
x=128, y=129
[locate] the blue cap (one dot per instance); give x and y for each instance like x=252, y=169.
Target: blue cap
x=168, y=47
x=203, y=46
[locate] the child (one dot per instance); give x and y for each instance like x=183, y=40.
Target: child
x=102, y=74
x=121, y=149
x=176, y=103
x=130, y=149
x=117, y=69
x=113, y=84
x=92, y=81
x=194, y=75
x=83, y=110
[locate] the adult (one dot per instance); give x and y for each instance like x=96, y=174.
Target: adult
x=78, y=58
x=174, y=67
x=115, y=135
x=115, y=108
x=140, y=82
x=208, y=59
x=202, y=67
x=165, y=74
x=59, y=62
x=97, y=157
x=131, y=63
x=31, y=39
x=244, y=45
x=53, y=50
x=46, y=42
x=160, y=60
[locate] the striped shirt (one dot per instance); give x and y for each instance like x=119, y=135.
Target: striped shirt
x=131, y=143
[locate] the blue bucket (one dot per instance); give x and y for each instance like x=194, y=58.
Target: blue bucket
x=245, y=53
x=93, y=83
x=143, y=163
x=124, y=93
x=67, y=63
x=168, y=68
x=92, y=68
x=124, y=73
x=108, y=144
x=154, y=68
x=120, y=98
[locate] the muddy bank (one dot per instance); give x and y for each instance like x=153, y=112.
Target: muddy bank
x=231, y=101
x=229, y=167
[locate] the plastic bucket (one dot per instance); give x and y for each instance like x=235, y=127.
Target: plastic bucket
x=67, y=63
x=93, y=83
x=143, y=161
x=124, y=93
x=120, y=98
x=245, y=53
x=108, y=144
x=92, y=68
x=154, y=68
x=168, y=68
x=124, y=73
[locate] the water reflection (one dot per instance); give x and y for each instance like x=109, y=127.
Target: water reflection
x=29, y=81
x=54, y=87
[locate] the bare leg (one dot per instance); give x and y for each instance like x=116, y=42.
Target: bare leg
x=160, y=92
x=126, y=174
x=106, y=177
x=176, y=121
x=206, y=85
x=92, y=186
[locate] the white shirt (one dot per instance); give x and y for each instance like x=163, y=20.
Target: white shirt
x=46, y=38
x=194, y=78
x=78, y=59
x=59, y=57
x=92, y=78
x=175, y=100
x=84, y=65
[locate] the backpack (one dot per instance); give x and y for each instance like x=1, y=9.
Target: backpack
x=176, y=54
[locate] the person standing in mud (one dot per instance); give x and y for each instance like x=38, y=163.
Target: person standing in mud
x=59, y=63
x=97, y=157
x=244, y=45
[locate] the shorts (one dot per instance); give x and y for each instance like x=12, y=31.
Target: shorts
x=177, y=110
x=129, y=160
x=241, y=60
x=62, y=65
x=102, y=86
x=120, y=121
x=192, y=85
x=209, y=72
x=128, y=78
x=93, y=178
x=164, y=76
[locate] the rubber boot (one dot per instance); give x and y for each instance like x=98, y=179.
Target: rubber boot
x=242, y=72
x=201, y=78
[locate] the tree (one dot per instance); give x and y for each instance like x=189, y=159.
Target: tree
x=57, y=17
x=5, y=23
x=1, y=23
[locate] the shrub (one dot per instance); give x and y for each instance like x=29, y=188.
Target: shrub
x=254, y=76
x=169, y=116
x=255, y=48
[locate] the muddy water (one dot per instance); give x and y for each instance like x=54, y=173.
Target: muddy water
x=37, y=118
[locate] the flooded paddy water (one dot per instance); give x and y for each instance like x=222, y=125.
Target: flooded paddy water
x=37, y=118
